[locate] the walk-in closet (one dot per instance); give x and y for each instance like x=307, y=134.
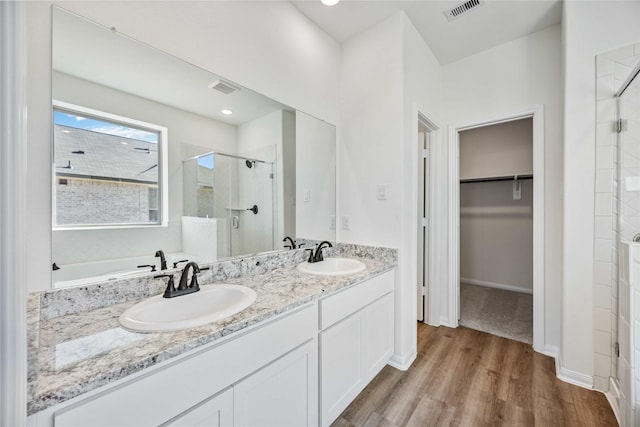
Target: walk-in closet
x=496, y=229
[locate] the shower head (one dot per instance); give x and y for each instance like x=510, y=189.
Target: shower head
x=250, y=163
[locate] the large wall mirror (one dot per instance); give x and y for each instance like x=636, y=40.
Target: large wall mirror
x=153, y=153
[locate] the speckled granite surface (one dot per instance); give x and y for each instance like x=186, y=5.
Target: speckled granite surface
x=76, y=345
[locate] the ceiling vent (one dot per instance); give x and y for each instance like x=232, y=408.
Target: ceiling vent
x=462, y=8
x=224, y=87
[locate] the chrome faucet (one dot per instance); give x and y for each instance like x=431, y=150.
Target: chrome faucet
x=163, y=260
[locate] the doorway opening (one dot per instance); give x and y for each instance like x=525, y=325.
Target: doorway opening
x=496, y=230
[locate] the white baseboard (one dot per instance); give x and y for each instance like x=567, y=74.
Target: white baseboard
x=402, y=362
x=496, y=285
x=613, y=396
x=551, y=351
x=572, y=377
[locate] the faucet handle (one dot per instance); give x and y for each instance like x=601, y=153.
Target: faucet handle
x=171, y=288
x=310, y=254
x=175, y=264
x=194, y=278
x=153, y=267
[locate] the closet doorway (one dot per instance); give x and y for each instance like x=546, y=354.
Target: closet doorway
x=497, y=230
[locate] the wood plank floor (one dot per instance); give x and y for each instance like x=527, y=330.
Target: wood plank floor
x=463, y=377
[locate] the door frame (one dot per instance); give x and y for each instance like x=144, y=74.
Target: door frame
x=435, y=192
x=13, y=261
x=424, y=236
x=453, y=286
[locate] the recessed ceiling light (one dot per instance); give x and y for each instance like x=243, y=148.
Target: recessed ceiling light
x=226, y=112
x=124, y=143
x=66, y=131
x=330, y=2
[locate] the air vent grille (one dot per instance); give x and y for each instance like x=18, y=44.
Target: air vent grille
x=462, y=8
x=224, y=87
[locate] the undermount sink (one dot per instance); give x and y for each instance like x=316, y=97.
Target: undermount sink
x=210, y=304
x=332, y=266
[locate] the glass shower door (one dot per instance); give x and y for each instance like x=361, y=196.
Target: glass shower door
x=244, y=200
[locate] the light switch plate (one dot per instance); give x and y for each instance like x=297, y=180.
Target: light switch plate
x=332, y=222
x=382, y=191
x=307, y=195
x=346, y=222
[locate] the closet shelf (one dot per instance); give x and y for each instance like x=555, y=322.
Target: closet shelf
x=496, y=178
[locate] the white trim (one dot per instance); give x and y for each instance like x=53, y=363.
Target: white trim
x=436, y=212
x=494, y=285
x=551, y=351
x=572, y=377
x=613, y=396
x=163, y=170
x=453, y=294
x=13, y=286
x=402, y=363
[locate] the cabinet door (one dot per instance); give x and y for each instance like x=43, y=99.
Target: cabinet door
x=377, y=336
x=283, y=393
x=340, y=367
x=214, y=412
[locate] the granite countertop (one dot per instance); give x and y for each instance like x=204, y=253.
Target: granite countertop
x=75, y=353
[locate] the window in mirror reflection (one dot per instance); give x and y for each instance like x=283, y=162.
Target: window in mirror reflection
x=106, y=169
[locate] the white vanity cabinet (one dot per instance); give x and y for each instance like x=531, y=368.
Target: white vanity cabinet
x=267, y=375
x=356, y=341
x=216, y=411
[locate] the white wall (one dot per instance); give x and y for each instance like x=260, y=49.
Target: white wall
x=315, y=178
x=71, y=246
x=589, y=28
x=269, y=47
x=508, y=79
x=387, y=72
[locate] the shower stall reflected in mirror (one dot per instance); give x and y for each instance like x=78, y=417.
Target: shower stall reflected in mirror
x=228, y=206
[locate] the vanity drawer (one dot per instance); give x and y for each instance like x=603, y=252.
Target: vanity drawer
x=345, y=303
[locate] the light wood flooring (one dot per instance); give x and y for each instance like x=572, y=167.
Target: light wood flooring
x=464, y=377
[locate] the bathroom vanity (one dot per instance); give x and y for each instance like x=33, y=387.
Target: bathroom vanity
x=298, y=356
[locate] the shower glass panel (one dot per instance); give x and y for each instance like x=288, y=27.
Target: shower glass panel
x=628, y=215
x=237, y=193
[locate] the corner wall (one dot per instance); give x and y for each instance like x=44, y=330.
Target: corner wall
x=388, y=72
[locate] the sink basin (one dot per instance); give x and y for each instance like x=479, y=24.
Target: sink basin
x=332, y=266
x=211, y=303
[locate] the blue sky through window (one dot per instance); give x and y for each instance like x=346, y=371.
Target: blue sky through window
x=206, y=161
x=80, y=122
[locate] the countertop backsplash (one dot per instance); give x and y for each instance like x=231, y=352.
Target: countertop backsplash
x=64, y=301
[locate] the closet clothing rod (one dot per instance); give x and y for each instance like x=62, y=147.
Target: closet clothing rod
x=496, y=178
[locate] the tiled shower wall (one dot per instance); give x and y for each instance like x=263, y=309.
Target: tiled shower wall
x=617, y=213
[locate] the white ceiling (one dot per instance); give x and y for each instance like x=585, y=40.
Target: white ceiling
x=91, y=52
x=492, y=24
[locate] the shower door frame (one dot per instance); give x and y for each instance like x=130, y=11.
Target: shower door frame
x=620, y=126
